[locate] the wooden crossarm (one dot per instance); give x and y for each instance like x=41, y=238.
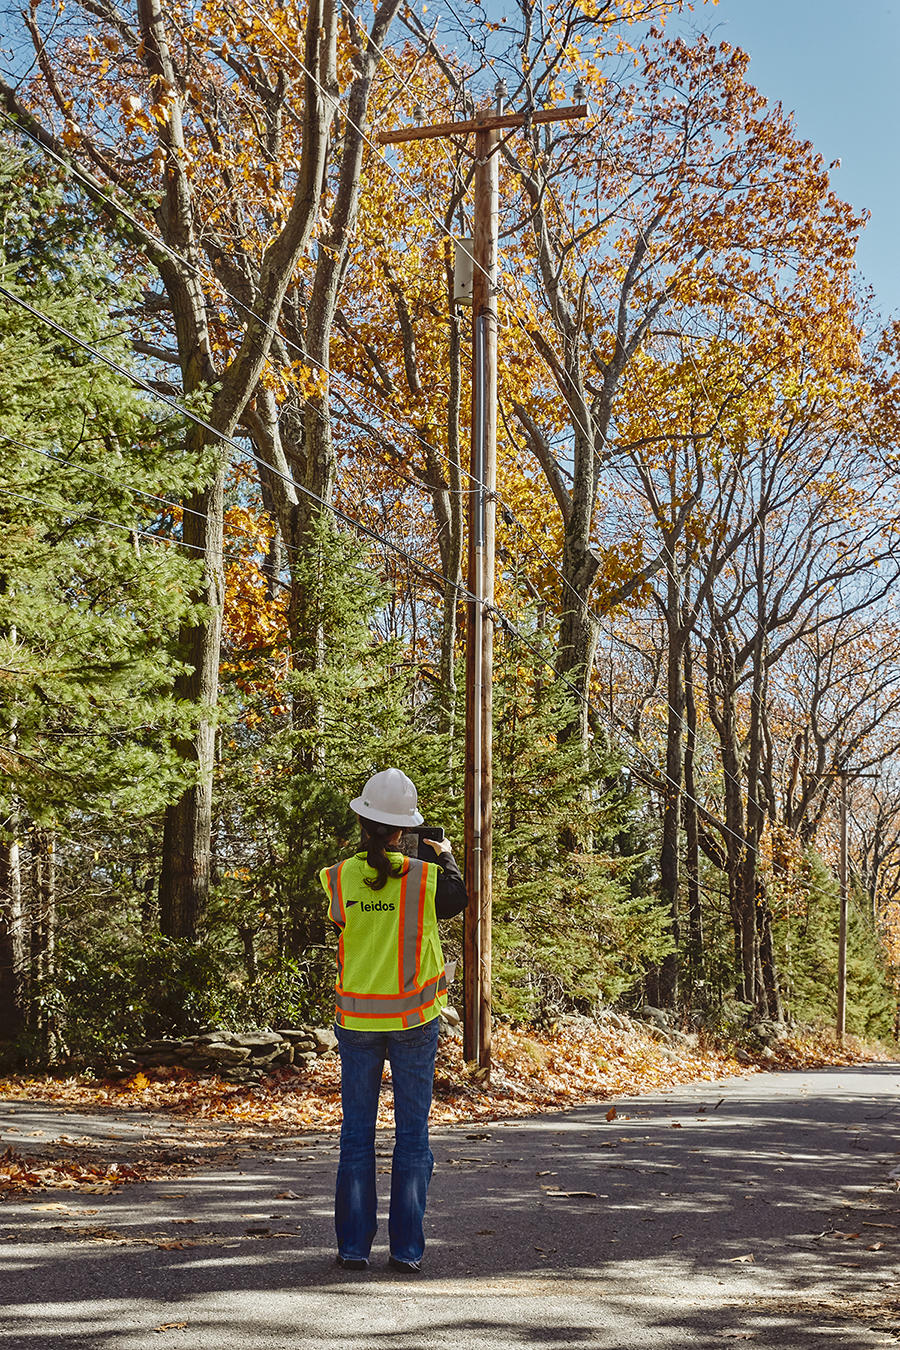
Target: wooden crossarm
x=484, y=122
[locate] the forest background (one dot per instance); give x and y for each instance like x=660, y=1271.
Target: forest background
x=233, y=430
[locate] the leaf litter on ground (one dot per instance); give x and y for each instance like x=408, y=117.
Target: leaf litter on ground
x=533, y=1071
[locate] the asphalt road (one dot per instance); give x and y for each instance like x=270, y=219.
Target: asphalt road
x=761, y=1210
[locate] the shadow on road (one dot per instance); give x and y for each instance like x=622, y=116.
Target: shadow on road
x=751, y=1210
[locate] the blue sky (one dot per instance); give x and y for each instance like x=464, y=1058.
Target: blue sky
x=836, y=66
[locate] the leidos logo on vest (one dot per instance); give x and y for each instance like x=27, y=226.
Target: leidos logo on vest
x=370, y=904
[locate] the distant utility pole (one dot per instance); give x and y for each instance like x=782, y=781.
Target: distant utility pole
x=842, y=931
x=482, y=511
x=844, y=875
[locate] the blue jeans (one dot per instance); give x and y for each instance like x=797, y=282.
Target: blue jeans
x=411, y=1054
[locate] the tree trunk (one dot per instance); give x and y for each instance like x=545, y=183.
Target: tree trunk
x=691, y=827
x=722, y=702
x=578, y=633
x=42, y=941
x=451, y=541
x=669, y=852
x=187, y=833
x=770, y=993
x=12, y=939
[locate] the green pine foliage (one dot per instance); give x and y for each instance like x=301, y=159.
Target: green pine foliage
x=574, y=927
x=91, y=593
x=807, y=941
x=288, y=775
x=93, y=588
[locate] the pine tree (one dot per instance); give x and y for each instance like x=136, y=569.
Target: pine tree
x=573, y=926
x=91, y=592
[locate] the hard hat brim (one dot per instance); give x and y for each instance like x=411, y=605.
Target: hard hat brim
x=407, y=821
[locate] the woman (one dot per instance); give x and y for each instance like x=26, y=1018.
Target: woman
x=391, y=987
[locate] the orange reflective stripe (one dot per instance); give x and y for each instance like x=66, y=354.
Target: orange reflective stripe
x=420, y=925
x=381, y=1005
x=402, y=927
x=410, y=930
x=336, y=910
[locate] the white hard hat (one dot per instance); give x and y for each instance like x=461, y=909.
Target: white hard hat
x=390, y=798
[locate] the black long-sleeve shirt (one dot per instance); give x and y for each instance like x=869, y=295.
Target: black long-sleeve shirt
x=450, y=897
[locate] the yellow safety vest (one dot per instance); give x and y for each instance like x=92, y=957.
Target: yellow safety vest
x=390, y=964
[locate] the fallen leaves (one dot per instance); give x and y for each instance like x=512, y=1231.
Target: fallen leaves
x=532, y=1071
x=19, y=1172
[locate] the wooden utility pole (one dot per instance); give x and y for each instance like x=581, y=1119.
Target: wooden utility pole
x=486, y=126
x=842, y=931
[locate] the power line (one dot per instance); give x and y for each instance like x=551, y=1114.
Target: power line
x=363, y=393
x=367, y=531
x=220, y=435
x=418, y=197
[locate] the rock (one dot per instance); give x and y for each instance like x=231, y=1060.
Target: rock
x=216, y=1038
x=240, y=1076
x=742, y=1057
x=228, y=1054
x=264, y=1060
x=260, y=1040
x=263, y=1049
x=296, y=1037
x=658, y=1016
x=158, y=1060
x=767, y=1030
x=324, y=1039
x=302, y=1057
x=449, y=1014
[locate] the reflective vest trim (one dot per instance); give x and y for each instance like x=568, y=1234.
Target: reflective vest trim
x=389, y=1005
x=337, y=912
x=412, y=921
x=410, y=1003
x=336, y=909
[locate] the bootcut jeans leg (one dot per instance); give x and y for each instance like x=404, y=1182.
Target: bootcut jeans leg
x=412, y=1055
x=355, y=1201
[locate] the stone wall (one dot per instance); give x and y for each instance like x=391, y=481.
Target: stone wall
x=243, y=1057
x=239, y=1057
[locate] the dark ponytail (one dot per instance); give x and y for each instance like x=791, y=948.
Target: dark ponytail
x=375, y=837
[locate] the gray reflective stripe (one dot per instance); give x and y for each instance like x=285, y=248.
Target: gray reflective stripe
x=414, y=883
x=392, y=1007
x=334, y=909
